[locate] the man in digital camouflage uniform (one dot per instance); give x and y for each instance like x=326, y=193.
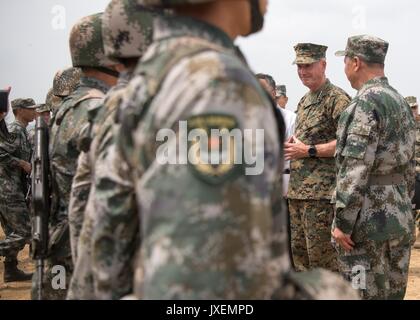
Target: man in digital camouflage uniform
x=109, y=273
x=311, y=151
x=412, y=102
x=208, y=231
x=87, y=53
x=15, y=154
x=373, y=226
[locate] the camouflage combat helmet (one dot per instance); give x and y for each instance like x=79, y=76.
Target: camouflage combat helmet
x=127, y=29
x=52, y=101
x=257, y=18
x=86, y=44
x=65, y=81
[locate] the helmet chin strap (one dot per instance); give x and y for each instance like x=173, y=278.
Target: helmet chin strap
x=257, y=18
x=108, y=71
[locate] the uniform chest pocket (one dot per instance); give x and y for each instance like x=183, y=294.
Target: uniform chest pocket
x=357, y=142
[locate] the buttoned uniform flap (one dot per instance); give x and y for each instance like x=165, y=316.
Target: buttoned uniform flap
x=357, y=142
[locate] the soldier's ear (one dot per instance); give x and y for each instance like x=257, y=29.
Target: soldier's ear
x=357, y=63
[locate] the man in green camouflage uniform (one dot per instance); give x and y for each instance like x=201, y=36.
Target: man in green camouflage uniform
x=412, y=102
x=373, y=226
x=98, y=76
x=15, y=154
x=208, y=231
x=113, y=265
x=312, y=177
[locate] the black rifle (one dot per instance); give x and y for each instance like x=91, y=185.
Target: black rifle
x=41, y=201
x=4, y=100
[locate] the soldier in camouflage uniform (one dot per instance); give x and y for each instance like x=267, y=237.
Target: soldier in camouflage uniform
x=113, y=222
x=15, y=153
x=412, y=102
x=99, y=75
x=207, y=231
x=373, y=226
x=311, y=149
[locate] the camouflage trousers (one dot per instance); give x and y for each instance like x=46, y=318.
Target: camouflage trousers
x=15, y=222
x=310, y=224
x=378, y=269
x=56, y=280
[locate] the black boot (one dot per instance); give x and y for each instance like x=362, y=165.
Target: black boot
x=12, y=273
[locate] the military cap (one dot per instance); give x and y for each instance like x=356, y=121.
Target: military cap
x=65, y=81
x=412, y=101
x=308, y=53
x=86, y=43
x=281, y=91
x=40, y=108
x=23, y=104
x=369, y=48
x=127, y=29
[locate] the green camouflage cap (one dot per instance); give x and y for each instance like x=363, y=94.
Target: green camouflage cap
x=369, y=48
x=52, y=101
x=127, y=29
x=86, y=44
x=23, y=104
x=412, y=101
x=65, y=81
x=170, y=3
x=40, y=108
x=308, y=53
x=281, y=91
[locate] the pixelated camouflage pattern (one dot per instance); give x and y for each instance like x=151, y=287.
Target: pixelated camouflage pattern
x=369, y=48
x=127, y=29
x=83, y=285
x=86, y=43
x=308, y=53
x=386, y=265
x=52, y=101
x=316, y=123
x=412, y=101
x=26, y=103
x=65, y=81
x=417, y=146
x=376, y=137
x=14, y=214
x=281, y=91
x=310, y=223
x=203, y=241
x=65, y=135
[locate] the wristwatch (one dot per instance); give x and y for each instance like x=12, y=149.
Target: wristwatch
x=312, y=151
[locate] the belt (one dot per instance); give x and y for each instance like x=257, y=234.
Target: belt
x=387, y=180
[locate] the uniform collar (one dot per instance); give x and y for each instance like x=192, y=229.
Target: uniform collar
x=172, y=27
x=378, y=81
x=315, y=97
x=94, y=84
x=20, y=124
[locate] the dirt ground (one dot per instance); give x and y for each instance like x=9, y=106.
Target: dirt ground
x=21, y=290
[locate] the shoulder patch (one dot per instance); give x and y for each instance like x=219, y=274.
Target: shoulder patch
x=214, y=148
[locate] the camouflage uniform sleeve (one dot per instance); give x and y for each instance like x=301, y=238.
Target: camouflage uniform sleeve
x=7, y=149
x=356, y=161
x=115, y=234
x=341, y=102
x=78, y=200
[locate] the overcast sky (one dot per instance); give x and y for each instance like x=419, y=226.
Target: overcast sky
x=34, y=40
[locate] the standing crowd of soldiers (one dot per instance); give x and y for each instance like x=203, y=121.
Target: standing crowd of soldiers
x=334, y=198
